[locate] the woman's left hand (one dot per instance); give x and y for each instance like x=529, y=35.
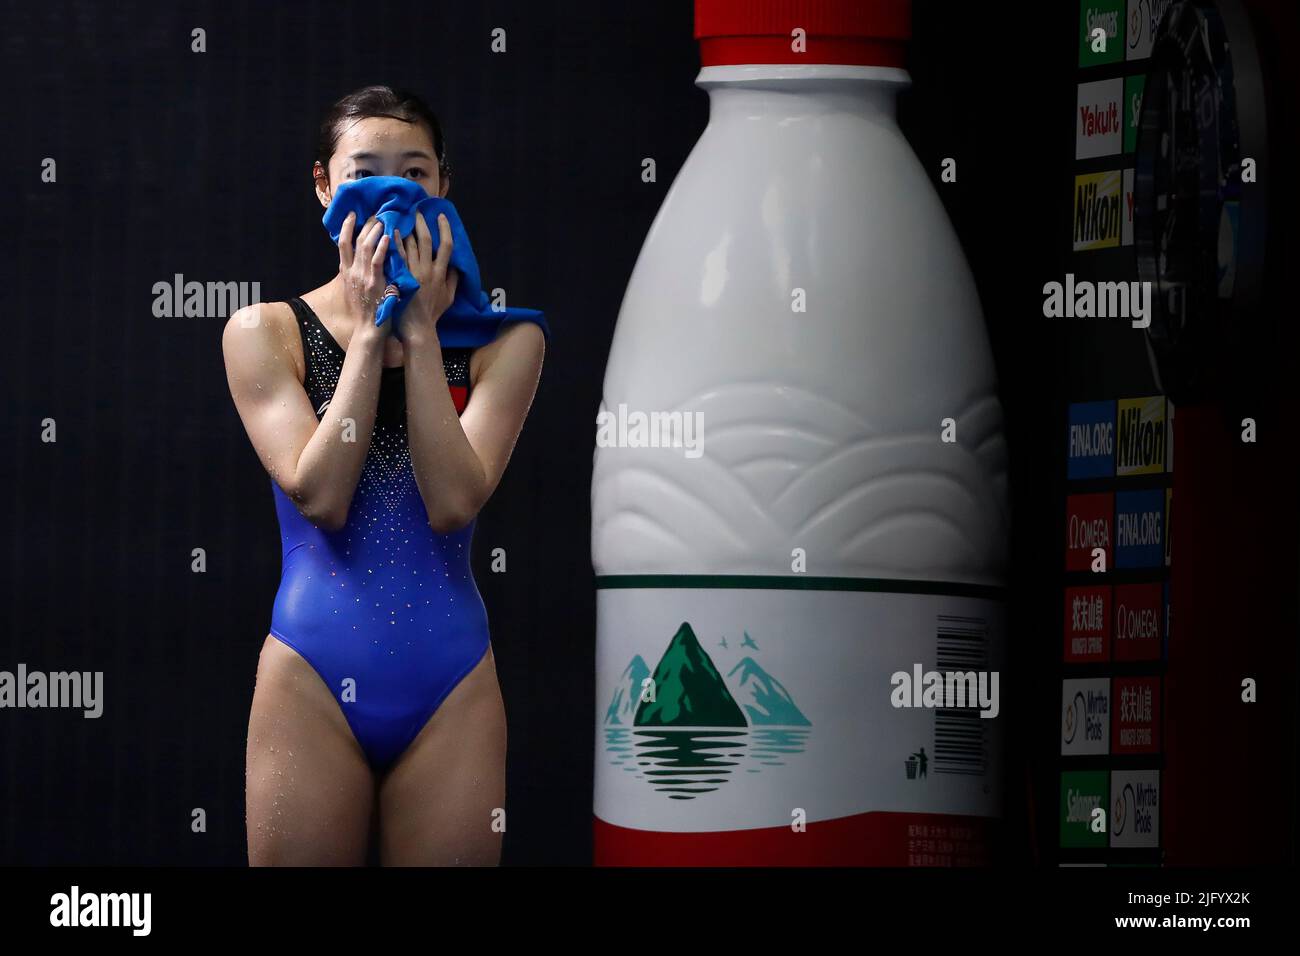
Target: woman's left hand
x=437, y=281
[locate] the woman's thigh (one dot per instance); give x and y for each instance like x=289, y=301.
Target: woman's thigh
x=310, y=792
x=443, y=803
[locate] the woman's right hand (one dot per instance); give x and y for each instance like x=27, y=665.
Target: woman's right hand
x=362, y=269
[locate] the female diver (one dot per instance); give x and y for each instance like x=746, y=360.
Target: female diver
x=377, y=709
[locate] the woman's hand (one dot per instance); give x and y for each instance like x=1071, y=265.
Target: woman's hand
x=362, y=269
x=437, y=281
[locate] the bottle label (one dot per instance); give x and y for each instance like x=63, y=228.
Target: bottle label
x=789, y=719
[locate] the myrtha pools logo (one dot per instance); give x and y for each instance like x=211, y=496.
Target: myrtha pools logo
x=1073, y=718
x=1135, y=808
x=1085, y=716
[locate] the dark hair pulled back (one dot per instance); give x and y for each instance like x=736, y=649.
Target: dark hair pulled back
x=383, y=101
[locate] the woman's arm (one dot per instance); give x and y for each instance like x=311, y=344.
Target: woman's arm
x=458, y=462
x=316, y=464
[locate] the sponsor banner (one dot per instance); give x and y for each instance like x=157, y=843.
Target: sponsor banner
x=1085, y=717
x=1169, y=436
x=1091, y=440
x=1133, y=86
x=1139, y=528
x=1087, y=624
x=1169, y=523
x=1169, y=620
x=1135, y=728
x=1140, y=26
x=1099, y=116
x=1126, y=229
x=1139, y=611
x=1089, y=523
x=1140, y=436
x=1097, y=210
x=1106, y=15
x=1134, y=809
x=1083, y=791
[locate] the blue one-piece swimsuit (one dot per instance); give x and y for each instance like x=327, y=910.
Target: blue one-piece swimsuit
x=385, y=609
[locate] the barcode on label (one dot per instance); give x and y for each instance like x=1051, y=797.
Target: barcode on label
x=960, y=745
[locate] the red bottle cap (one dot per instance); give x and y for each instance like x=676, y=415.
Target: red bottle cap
x=858, y=32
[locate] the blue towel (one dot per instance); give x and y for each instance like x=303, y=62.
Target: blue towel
x=470, y=321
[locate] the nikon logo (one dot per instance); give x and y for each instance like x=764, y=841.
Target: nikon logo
x=1098, y=214
x=1140, y=440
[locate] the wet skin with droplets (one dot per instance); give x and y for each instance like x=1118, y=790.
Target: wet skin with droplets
x=385, y=609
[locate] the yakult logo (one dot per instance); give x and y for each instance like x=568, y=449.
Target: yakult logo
x=1098, y=118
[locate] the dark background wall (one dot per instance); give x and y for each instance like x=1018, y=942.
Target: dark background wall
x=177, y=162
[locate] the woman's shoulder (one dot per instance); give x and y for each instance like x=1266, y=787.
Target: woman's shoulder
x=518, y=345
x=256, y=330
x=266, y=316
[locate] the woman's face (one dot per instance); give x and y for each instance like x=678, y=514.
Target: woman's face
x=380, y=146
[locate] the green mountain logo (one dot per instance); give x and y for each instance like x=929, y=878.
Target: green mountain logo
x=695, y=736
x=689, y=691
x=622, y=707
x=766, y=701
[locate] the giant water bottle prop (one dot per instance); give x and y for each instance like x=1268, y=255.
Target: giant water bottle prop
x=798, y=499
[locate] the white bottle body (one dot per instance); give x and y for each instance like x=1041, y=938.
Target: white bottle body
x=802, y=301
